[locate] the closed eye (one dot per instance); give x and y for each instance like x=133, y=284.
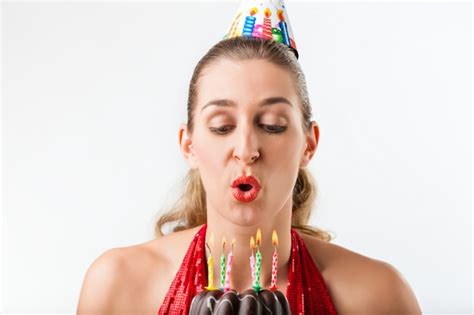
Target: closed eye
x=274, y=128
x=220, y=130
x=267, y=128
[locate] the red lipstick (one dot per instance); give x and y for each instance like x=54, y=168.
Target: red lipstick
x=245, y=188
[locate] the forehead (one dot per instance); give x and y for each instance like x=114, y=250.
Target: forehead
x=244, y=82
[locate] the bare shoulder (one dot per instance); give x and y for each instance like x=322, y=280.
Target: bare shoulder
x=133, y=279
x=359, y=284
x=102, y=284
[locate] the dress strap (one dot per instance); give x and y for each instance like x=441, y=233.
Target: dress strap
x=190, y=279
x=306, y=291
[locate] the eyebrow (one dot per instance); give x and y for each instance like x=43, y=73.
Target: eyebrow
x=265, y=102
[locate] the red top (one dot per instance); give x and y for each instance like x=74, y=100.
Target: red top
x=306, y=291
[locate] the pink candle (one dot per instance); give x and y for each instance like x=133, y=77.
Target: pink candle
x=273, y=286
x=252, y=259
x=228, y=269
x=267, y=24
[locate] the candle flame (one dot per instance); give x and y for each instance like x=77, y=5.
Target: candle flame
x=267, y=12
x=223, y=243
x=258, y=239
x=252, y=242
x=253, y=11
x=233, y=243
x=281, y=17
x=274, y=238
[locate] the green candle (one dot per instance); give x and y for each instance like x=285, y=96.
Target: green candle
x=223, y=265
x=258, y=263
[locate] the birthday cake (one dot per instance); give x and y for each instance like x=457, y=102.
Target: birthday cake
x=217, y=302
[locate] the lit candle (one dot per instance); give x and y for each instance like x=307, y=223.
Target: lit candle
x=252, y=259
x=249, y=22
x=223, y=263
x=273, y=286
x=229, y=267
x=283, y=27
x=210, y=266
x=267, y=24
x=258, y=262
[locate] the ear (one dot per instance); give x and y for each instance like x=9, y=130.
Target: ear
x=312, y=140
x=186, y=146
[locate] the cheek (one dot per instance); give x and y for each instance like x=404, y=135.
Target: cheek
x=285, y=149
x=283, y=160
x=211, y=168
x=209, y=157
x=209, y=154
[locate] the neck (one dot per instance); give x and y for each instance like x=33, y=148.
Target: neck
x=241, y=273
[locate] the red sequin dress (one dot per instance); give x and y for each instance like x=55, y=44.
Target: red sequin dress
x=306, y=291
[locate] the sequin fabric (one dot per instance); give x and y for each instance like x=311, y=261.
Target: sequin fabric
x=306, y=291
x=190, y=278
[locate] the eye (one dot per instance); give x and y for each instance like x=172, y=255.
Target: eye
x=268, y=128
x=274, y=128
x=220, y=130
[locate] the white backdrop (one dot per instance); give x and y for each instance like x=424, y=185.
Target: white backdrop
x=93, y=95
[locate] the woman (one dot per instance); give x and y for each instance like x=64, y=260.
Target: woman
x=256, y=128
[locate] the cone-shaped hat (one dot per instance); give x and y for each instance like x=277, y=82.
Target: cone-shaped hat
x=264, y=19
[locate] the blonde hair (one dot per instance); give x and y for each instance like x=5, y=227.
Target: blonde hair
x=190, y=209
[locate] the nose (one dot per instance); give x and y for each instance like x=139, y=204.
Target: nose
x=246, y=150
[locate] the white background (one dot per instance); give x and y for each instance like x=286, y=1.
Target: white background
x=93, y=94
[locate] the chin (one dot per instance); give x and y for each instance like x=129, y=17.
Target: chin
x=246, y=216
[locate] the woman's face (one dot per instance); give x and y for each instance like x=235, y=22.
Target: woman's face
x=248, y=109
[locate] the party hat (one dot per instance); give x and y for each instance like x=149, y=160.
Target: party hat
x=264, y=19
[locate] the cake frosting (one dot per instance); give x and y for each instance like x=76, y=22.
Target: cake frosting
x=217, y=302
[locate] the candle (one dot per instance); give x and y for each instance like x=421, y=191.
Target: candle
x=229, y=267
x=210, y=266
x=283, y=27
x=223, y=263
x=267, y=24
x=252, y=259
x=273, y=286
x=249, y=22
x=210, y=270
x=258, y=262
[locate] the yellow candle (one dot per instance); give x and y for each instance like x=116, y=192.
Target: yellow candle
x=210, y=266
x=210, y=271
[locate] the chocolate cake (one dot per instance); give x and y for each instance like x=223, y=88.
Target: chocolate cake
x=216, y=302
